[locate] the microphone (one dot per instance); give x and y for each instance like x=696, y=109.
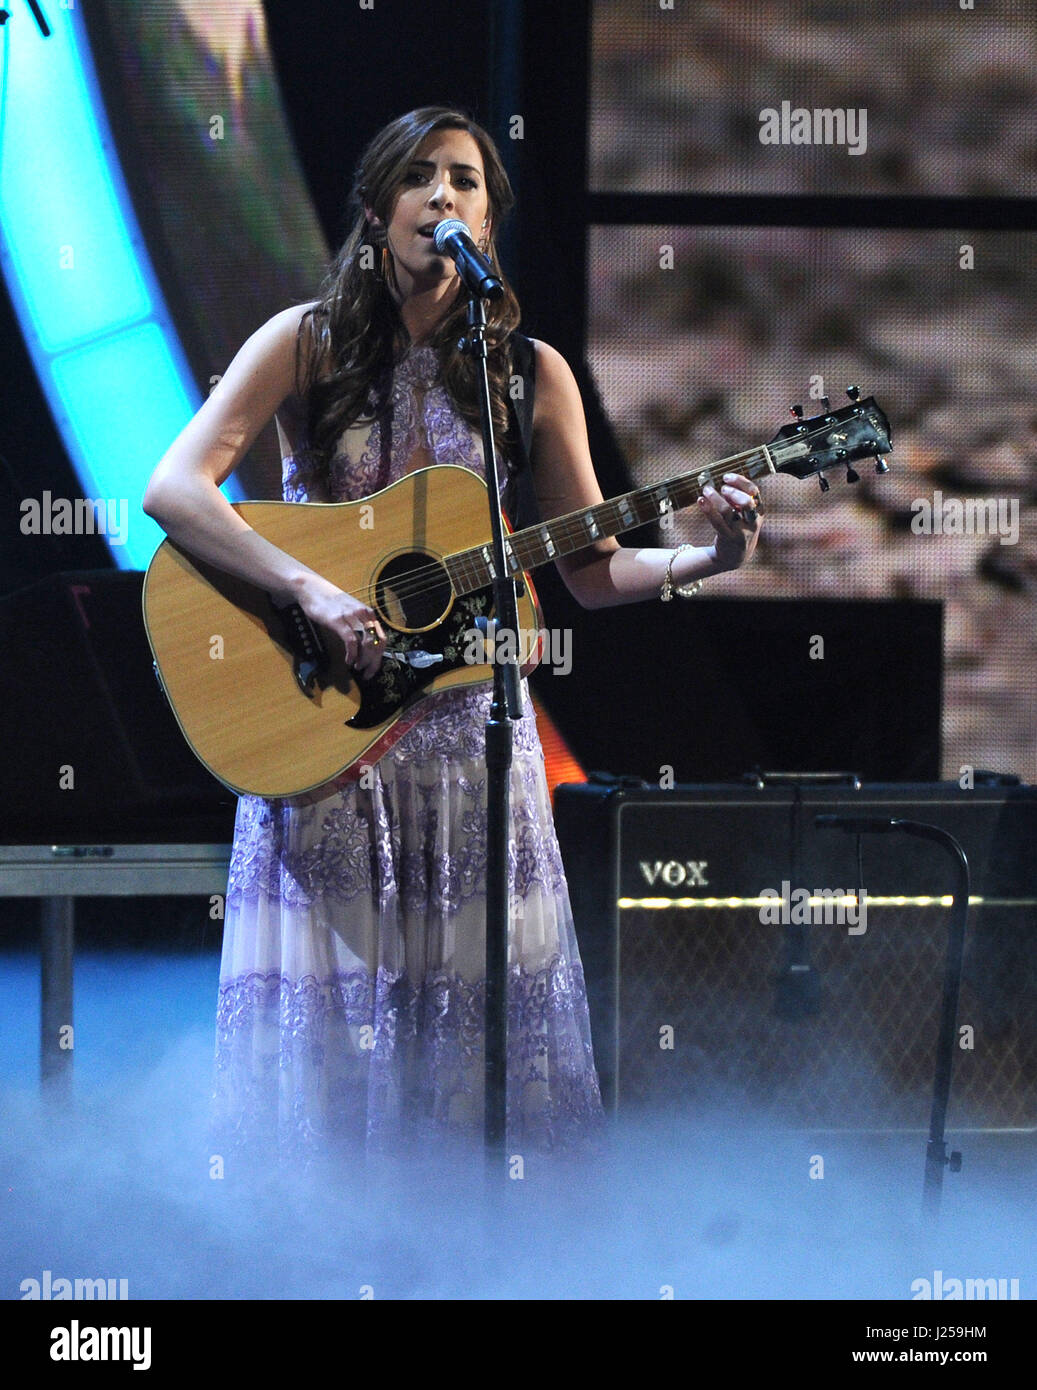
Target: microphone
x=453, y=239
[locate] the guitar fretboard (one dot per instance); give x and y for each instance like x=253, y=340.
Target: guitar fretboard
x=537, y=545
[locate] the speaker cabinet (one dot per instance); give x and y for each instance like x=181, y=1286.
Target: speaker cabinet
x=706, y=993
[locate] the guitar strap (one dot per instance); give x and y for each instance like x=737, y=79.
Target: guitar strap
x=519, y=494
x=523, y=364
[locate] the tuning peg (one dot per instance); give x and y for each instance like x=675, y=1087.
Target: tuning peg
x=881, y=466
x=825, y=404
x=852, y=476
x=854, y=393
x=823, y=481
x=797, y=411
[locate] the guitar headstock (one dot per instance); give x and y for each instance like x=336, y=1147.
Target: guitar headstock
x=835, y=437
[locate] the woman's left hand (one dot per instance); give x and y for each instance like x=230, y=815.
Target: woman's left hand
x=734, y=514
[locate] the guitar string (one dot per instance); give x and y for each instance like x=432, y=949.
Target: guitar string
x=568, y=527
x=562, y=529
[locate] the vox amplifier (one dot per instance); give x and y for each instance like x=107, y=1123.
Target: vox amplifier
x=739, y=959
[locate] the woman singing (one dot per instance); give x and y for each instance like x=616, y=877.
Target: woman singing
x=353, y=974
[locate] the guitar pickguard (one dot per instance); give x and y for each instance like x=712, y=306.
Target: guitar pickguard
x=398, y=683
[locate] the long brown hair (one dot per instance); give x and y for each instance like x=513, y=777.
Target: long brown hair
x=354, y=334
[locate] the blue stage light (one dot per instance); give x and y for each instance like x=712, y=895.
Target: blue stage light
x=93, y=316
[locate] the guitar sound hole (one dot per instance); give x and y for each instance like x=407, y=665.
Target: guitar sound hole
x=413, y=591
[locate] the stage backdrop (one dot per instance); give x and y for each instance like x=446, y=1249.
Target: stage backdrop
x=701, y=337
x=207, y=149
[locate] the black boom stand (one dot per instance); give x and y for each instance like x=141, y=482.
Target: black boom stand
x=506, y=706
x=936, y=1156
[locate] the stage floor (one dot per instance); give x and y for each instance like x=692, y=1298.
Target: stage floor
x=118, y=1185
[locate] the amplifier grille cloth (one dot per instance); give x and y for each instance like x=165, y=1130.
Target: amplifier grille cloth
x=867, y=1058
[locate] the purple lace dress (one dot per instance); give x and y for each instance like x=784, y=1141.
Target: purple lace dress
x=352, y=980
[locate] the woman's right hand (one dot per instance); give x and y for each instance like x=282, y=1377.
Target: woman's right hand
x=354, y=623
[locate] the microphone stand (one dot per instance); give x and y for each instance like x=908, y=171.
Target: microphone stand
x=936, y=1156
x=506, y=706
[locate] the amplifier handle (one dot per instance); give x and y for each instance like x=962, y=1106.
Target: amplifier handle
x=763, y=779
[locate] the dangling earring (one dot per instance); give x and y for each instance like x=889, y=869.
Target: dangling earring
x=384, y=268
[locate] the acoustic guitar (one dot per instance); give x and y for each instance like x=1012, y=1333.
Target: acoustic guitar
x=267, y=701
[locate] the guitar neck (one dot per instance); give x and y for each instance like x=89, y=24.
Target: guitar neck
x=537, y=545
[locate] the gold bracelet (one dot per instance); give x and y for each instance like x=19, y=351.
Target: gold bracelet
x=682, y=590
